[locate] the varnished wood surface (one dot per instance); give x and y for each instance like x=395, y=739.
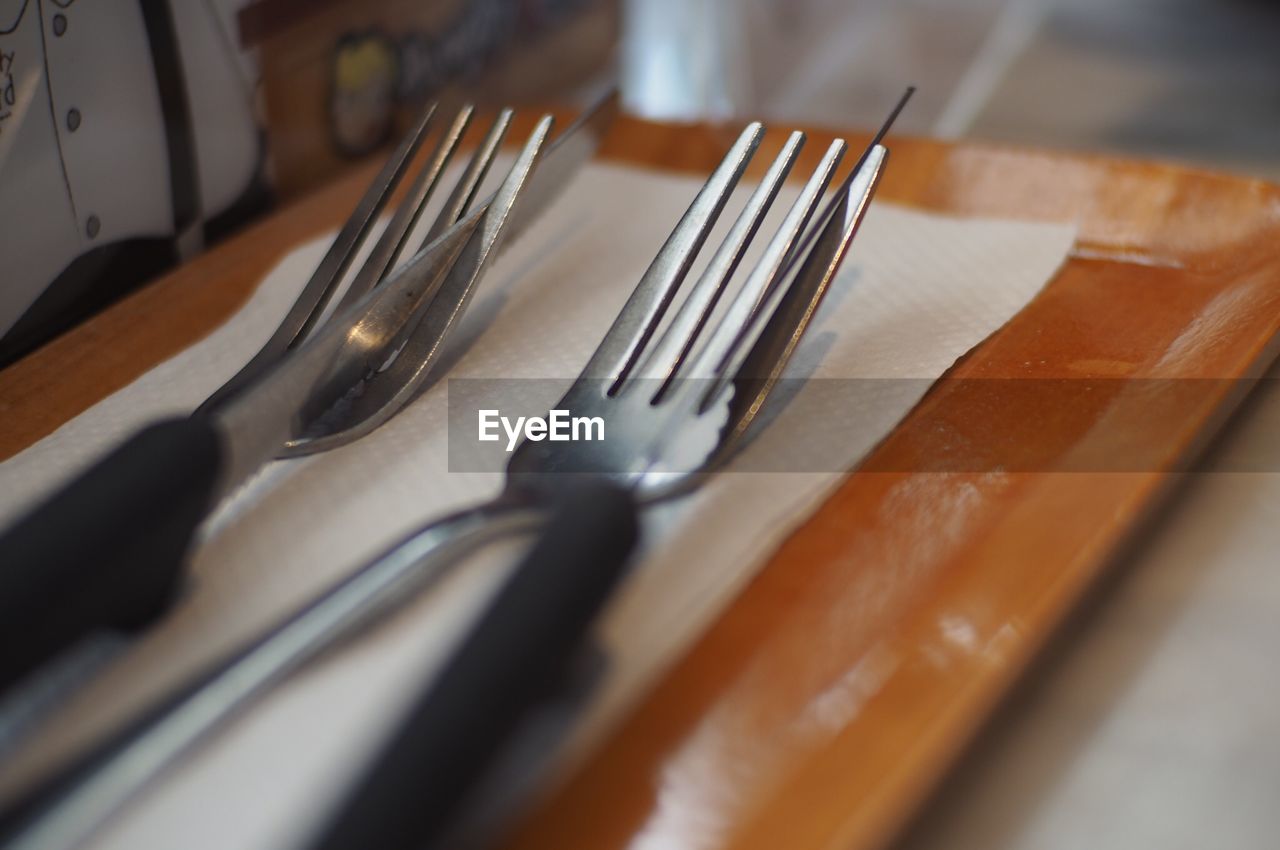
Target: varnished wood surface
x=824, y=704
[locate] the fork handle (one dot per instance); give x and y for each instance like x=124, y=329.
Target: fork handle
x=508, y=664
x=105, y=552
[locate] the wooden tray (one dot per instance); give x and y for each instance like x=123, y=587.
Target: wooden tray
x=828, y=700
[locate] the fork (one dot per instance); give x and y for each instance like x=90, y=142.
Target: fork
x=105, y=553
x=659, y=394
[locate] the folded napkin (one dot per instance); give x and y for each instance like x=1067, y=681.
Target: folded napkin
x=917, y=291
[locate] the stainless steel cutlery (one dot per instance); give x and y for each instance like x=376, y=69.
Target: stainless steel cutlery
x=678, y=389
x=106, y=551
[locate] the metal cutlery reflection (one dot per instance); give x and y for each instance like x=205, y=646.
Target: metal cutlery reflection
x=678, y=399
x=106, y=551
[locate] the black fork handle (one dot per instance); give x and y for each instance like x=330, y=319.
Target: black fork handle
x=511, y=659
x=106, y=551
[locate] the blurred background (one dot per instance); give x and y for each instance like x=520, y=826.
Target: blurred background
x=135, y=132
x=1192, y=80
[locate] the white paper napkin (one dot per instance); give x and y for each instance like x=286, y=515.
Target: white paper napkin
x=917, y=291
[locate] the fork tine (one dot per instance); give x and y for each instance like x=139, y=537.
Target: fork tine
x=639, y=317
x=445, y=270
x=672, y=347
x=782, y=252
x=760, y=349
x=453, y=288
x=765, y=344
x=710, y=359
x=390, y=251
x=469, y=184
x=352, y=235
x=386, y=254
x=319, y=289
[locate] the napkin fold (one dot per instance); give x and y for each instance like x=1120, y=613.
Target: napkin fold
x=917, y=291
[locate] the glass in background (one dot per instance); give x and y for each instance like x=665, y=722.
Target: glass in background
x=1191, y=80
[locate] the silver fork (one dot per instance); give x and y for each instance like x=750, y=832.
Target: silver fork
x=699, y=376
x=106, y=552
x=416, y=343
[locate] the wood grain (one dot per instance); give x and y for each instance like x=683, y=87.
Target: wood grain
x=826, y=702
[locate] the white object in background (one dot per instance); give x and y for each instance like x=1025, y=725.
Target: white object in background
x=50, y=190
x=684, y=60
x=88, y=163
x=222, y=118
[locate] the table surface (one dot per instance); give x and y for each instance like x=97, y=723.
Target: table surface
x=1155, y=289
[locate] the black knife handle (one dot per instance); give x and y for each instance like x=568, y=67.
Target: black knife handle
x=105, y=551
x=522, y=643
